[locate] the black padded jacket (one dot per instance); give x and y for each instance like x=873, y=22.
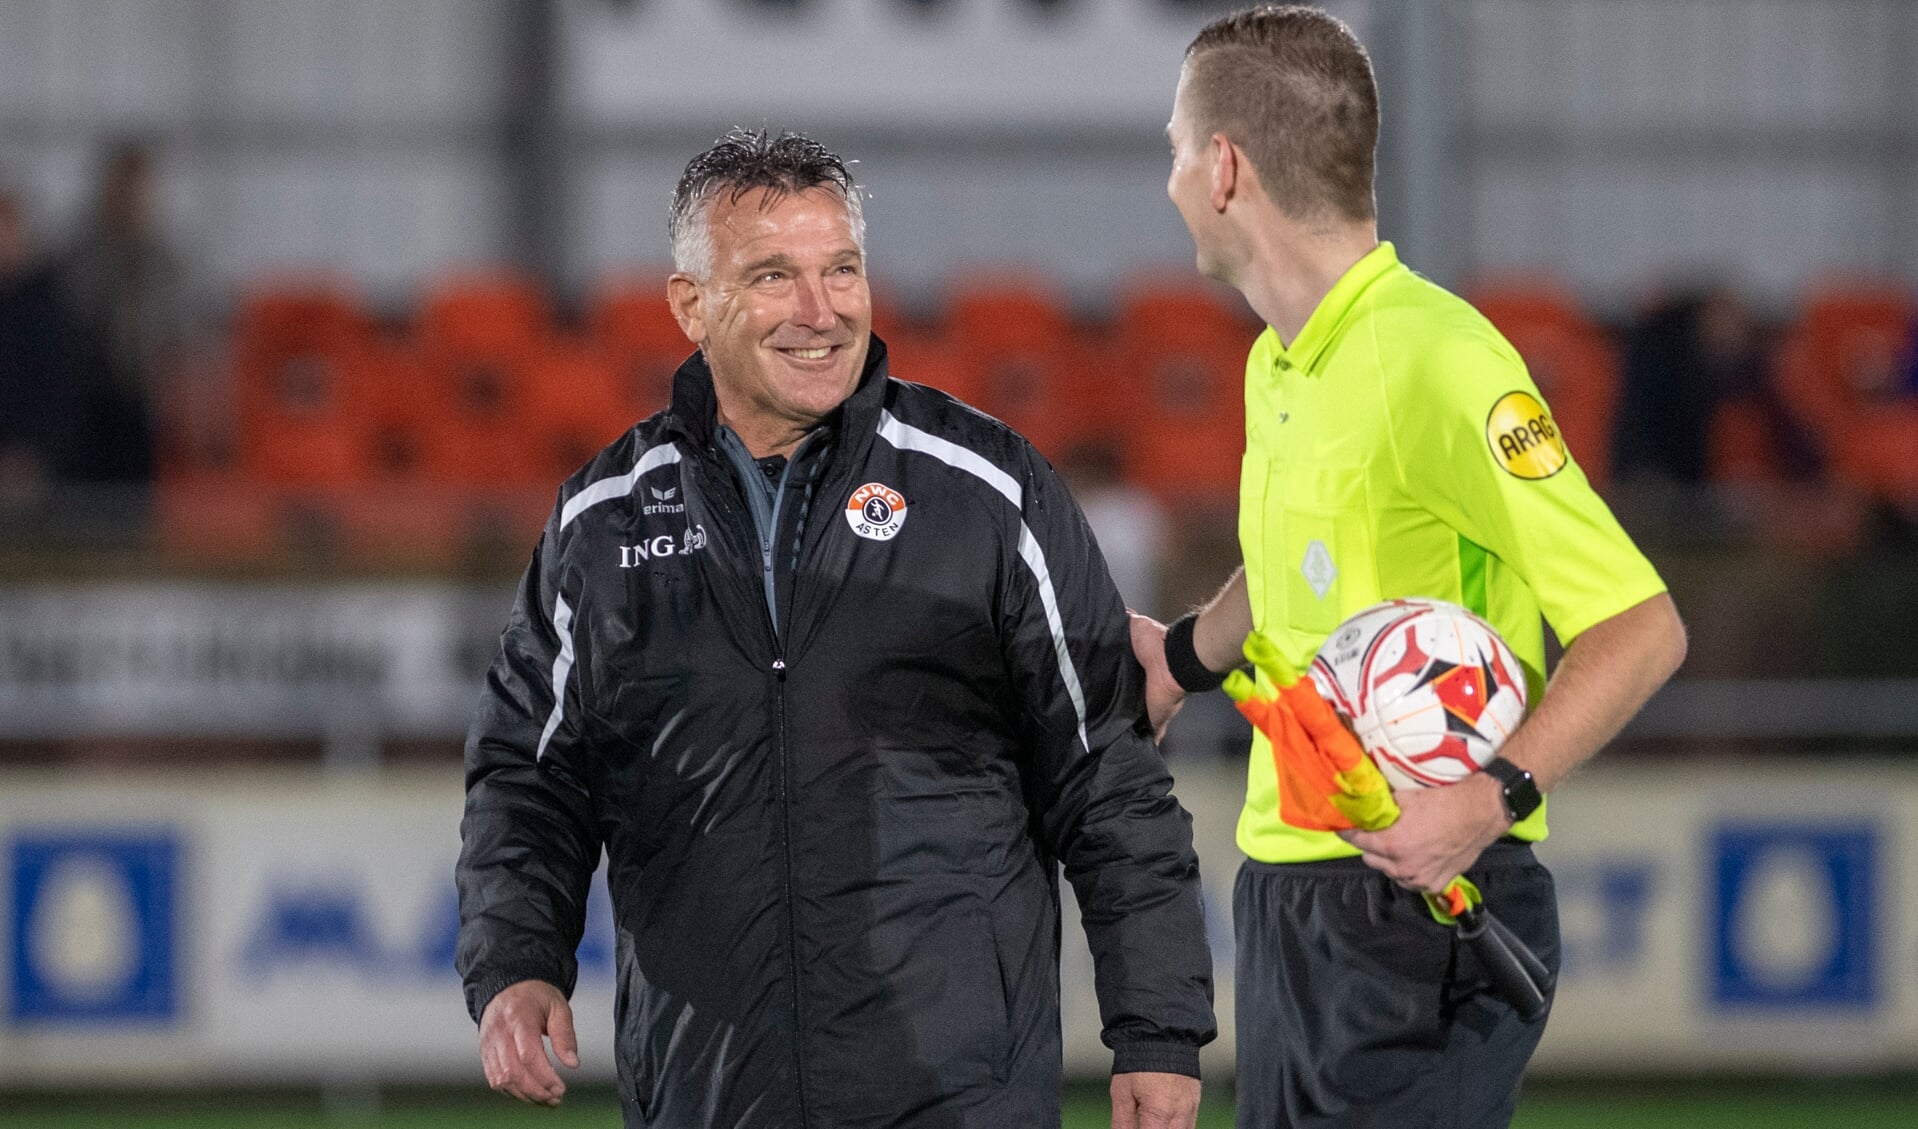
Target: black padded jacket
x=834, y=776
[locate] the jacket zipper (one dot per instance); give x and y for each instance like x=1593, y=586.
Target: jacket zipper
x=792, y=913
x=769, y=583
x=767, y=547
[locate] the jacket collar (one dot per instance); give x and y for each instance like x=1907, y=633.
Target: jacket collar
x=695, y=410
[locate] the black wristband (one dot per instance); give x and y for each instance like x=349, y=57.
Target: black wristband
x=1182, y=657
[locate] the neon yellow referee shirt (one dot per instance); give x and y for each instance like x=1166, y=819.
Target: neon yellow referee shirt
x=1399, y=448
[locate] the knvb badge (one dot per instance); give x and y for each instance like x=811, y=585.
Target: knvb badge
x=94, y=927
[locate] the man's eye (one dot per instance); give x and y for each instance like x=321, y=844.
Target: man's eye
x=771, y=276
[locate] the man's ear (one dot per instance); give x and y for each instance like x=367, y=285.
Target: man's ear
x=688, y=305
x=1227, y=172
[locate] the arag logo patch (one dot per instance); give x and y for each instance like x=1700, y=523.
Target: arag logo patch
x=876, y=511
x=1523, y=437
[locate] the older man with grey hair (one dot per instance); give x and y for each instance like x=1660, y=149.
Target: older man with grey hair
x=830, y=668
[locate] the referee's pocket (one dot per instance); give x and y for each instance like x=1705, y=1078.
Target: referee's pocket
x=1323, y=547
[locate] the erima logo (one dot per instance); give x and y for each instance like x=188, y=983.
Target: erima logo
x=663, y=501
x=663, y=547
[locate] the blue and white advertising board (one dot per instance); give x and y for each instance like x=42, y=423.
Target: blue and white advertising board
x=299, y=927
x=1737, y=917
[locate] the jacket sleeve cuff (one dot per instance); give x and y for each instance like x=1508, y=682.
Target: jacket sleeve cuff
x=1156, y=1058
x=480, y=992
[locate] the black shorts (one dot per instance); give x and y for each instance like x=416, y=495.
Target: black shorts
x=1356, y=1009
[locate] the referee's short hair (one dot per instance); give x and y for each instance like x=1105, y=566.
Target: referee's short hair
x=1292, y=87
x=738, y=163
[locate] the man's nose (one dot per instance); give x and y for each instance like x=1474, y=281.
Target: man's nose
x=815, y=305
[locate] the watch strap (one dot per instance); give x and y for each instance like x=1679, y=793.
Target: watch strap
x=1516, y=786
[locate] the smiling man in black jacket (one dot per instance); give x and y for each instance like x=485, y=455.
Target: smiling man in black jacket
x=830, y=667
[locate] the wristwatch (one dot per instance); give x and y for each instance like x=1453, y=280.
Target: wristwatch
x=1521, y=791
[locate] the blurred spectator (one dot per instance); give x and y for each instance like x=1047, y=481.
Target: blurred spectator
x=37, y=379
x=1684, y=360
x=1901, y=376
x=1911, y=362
x=126, y=288
x=1129, y=523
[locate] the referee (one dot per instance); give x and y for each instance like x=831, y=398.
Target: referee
x=1395, y=446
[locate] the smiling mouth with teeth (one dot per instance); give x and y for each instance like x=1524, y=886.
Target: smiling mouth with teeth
x=818, y=354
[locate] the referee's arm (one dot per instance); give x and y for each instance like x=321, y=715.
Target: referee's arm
x=1622, y=632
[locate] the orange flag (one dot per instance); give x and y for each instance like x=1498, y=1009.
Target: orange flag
x=1326, y=780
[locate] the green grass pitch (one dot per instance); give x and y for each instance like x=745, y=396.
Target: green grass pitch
x=1714, y=1105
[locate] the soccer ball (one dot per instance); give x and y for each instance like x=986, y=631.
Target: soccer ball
x=1429, y=689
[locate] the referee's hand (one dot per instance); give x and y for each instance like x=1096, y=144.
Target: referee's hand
x=1163, y=695
x=1147, y=1100
x=1439, y=834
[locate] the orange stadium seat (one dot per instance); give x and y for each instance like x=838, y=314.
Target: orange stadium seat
x=1839, y=370
x=1057, y=396
x=1183, y=414
x=298, y=416
x=525, y=418
x=477, y=440
x=476, y=336
x=1886, y=446
x=630, y=312
x=1027, y=364
x=573, y=407
x=395, y=403
x=926, y=358
x=296, y=316
x=277, y=326
x=1009, y=314
x=644, y=381
x=1169, y=308
x=1847, y=343
x=889, y=321
x=483, y=311
x=1517, y=300
x=1181, y=345
x=629, y=318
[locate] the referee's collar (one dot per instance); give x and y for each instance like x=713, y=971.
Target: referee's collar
x=1329, y=318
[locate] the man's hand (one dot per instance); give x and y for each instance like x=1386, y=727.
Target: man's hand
x=1163, y=696
x=513, y=1030
x=1154, y=1101
x=1439, y=834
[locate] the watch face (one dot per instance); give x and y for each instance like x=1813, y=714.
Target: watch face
x=1521, y=797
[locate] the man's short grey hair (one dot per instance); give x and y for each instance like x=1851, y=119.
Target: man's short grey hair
x=740, y=162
